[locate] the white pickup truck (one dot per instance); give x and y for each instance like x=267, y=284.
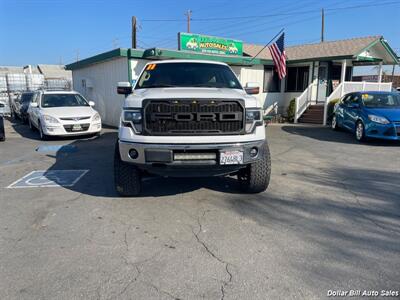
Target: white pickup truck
x=185, y=118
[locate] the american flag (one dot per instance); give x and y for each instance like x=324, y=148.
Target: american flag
x=278, y=54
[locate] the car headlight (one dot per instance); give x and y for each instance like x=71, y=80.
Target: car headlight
x=133, y=119
x=96, y=117
x=253, y=119
x=50, y=119
x=378, y=119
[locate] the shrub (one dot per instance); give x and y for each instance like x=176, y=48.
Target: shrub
x=331, y=106
x=291, y=110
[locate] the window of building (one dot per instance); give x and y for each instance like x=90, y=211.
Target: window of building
x=272, y=84
x=297, y=79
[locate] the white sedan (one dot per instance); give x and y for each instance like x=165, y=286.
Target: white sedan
x=62, y=113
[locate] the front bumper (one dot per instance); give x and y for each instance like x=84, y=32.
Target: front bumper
x=59, y=129
x=389, y=131
x=159, y=158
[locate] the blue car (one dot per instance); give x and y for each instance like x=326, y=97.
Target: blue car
x=369, y=115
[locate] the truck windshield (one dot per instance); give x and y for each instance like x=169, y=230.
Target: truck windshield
x=187, y=75
x=381, y=100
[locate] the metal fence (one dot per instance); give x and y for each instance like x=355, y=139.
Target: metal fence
x=13, y=84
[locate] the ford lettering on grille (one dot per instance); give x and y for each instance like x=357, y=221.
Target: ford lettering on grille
x=193, y=117
x=197, y=117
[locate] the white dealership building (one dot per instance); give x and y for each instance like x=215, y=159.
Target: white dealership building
x=316, y=73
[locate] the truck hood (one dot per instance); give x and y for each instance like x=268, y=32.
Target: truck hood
x=392, y=114
x=135, y=99
x=69, y=112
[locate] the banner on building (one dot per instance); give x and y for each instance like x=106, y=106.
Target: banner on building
x=209, y=44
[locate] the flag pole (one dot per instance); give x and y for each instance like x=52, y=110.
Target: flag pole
x=267, y=44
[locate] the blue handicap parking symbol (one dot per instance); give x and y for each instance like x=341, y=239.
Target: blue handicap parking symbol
x=49, y=178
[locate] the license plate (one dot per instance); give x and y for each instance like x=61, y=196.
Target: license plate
x=231, y=158
x=76, y=127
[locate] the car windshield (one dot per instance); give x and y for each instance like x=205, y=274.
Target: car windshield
x=187, y=75
x=61, y=100
x=26, y=98
x=381, y=100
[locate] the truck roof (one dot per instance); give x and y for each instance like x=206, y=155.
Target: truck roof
x=187, y=61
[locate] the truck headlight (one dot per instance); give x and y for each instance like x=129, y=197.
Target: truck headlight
x=133, y=119
x=96, y=117
x=253, y=119
x=378, y=119
x=50, y=119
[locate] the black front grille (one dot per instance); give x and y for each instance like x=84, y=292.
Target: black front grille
x=193, y=117
x=84, y=127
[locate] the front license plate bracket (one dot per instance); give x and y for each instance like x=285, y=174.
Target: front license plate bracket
x=231, y=158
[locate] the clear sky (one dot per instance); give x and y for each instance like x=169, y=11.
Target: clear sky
x=54, y=31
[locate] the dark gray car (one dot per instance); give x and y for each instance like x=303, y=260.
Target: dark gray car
x=20, y=105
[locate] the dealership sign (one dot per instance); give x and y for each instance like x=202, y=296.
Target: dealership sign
x=209, y=44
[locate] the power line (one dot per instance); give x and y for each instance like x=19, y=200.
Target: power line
x=271, y=15
x=285, y=24
x=249, y=23
x=291, y=7
x=292, y=13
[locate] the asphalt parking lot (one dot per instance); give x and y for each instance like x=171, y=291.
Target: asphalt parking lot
x=330, y=220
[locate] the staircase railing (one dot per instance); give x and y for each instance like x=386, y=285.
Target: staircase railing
x=354, y=86
x=303, y=102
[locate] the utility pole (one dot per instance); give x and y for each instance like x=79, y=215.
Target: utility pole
x=322, y=24
x=189, y=16
x=134, y=25
x=61, y=61
x=77, y=54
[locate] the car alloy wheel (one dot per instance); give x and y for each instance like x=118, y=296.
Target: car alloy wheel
x=359, y=131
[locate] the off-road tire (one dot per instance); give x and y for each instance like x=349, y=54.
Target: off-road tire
x=127, y=177
x=255, y=177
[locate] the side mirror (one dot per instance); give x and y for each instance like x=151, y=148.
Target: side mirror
x=124, y=88
x=34, y=104
x=252, y=88
x=91, y=103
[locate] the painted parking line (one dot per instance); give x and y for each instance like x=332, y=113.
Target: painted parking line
x=49, y=178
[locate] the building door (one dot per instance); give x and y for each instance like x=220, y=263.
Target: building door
x=322, y=82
